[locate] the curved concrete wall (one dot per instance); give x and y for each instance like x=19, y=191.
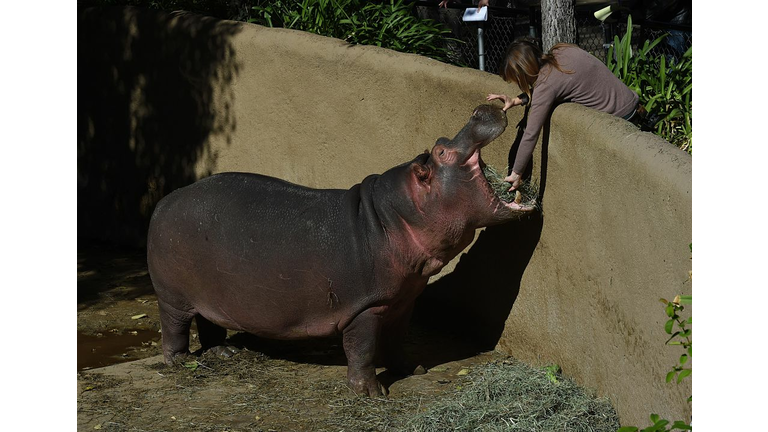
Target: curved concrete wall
x=615, y=238
x=165, y=99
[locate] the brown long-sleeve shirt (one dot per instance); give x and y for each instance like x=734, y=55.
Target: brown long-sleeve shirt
x=590, y=83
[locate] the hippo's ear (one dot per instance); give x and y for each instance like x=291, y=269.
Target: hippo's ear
x=421, y=172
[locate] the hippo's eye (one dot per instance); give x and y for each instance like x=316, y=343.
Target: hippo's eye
x=442, y=152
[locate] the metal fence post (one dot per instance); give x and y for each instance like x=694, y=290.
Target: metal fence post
x=480, y=46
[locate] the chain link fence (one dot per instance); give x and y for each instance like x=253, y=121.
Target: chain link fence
x=507, y=23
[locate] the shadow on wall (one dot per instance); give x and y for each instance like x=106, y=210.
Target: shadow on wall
x=475, y=300
x=152, y=88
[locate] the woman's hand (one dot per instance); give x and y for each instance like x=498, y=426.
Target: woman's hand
x=508, y=102
x=514, y=179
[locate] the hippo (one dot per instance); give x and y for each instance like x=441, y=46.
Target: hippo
x=253, y=253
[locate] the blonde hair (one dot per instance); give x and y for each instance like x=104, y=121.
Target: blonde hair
x=523, y=62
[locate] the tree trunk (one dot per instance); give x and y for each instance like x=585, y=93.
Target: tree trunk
x=558, y=23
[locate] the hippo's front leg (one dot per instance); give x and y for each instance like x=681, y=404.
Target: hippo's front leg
x=361, y=338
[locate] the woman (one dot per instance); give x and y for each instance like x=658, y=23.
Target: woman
x=565, y=74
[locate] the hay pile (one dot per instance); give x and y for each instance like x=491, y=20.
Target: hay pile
x=511, y=396
x=526, y=194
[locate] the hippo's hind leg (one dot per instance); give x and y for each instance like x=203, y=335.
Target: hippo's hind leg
x=212, y=337
x=175, y=324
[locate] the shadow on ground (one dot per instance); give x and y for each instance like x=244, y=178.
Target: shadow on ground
x=428, y=347
x=107, y=273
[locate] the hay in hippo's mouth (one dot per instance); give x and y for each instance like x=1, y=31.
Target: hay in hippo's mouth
x=525, y=195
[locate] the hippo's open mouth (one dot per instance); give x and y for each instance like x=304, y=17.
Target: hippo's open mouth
x=497, y=190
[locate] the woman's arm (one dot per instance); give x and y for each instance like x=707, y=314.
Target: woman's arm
x=541, y=105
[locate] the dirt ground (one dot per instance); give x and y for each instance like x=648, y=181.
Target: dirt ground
x=269, y=386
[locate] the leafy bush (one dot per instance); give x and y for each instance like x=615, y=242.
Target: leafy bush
x=321, y=17
x=390, y=24
x=665, y=85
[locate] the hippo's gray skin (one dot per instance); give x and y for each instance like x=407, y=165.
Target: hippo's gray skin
x=257, y=254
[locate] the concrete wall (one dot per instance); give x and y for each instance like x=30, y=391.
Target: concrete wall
x=165, y=99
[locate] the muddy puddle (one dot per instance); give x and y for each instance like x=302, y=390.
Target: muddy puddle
x=109, y=348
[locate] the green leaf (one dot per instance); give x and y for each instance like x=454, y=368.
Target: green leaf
x=673, y=114
x=683, y=374
x=683, y=359
x=672, y=337
x=627, y=429
x=668, y=326
x=671, y=375
x=670, y=309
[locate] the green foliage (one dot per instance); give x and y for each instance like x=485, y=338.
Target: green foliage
x=552, y=371
x=321, y=17
x=390, y=24
x=665, y=86
x=659, y=425
x=681, y=336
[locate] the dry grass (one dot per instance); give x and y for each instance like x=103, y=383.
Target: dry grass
x=511, y=396
x=529, y=190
